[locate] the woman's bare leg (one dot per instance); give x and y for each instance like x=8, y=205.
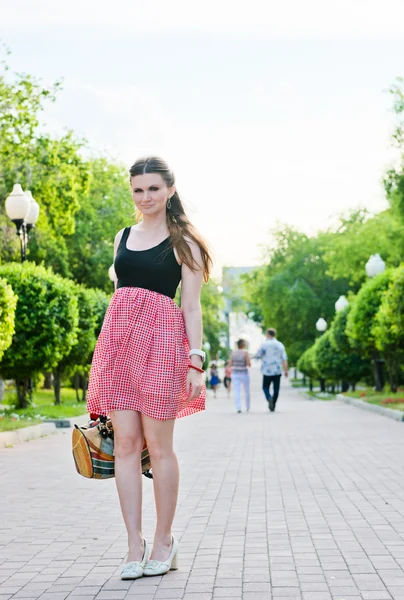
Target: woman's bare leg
x=159, y=437
x=128, y=442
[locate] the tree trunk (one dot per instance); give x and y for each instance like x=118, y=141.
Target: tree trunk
x=353, y=386
x=311, y=385
x=393, y=374
x=333, y=388
x=345, y=386
x=22, y=392
x=57, y=382
x=378, y=374
x=47, y=384
x=84, y=388
x=304, y=380
x=77, y=385
x=322, y=385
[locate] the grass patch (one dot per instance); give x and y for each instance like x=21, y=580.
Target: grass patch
x=42, y=408
x=385, y=398
x=298, y=383
x=321, y=395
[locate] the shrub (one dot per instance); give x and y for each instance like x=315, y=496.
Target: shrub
x=8, y=303
x=46, y=322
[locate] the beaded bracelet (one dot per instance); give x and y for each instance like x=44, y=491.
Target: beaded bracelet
x=196, y=368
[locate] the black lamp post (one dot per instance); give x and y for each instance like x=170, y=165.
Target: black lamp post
x=23, y=210
x=321, y=326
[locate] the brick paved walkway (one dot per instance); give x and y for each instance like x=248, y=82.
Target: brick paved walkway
x=303, y=504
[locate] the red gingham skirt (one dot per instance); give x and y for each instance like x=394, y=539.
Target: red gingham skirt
x=140, y=361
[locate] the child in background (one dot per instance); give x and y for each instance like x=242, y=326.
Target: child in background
x=227, y=377
x=214, y=378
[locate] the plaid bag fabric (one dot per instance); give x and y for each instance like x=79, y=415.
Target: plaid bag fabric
x=93, y=451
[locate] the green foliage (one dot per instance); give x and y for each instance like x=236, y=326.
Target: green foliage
x=293, y=289
x=214, y=328
x=353, y=366
x=52, y=169
x=100, y=302
x=358, y=237
x=46, y=320
x=363, y=312
x=104, y=210
x=8, y=303
x=394, y=180
x=335, y=365
x=388, y=326
x=306, y=363
x=81, y=352
x=327, y=359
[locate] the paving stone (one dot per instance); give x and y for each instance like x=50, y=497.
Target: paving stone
x=302, y=504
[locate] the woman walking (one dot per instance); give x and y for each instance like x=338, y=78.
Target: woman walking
x=214, y=379
x=227, y=377
x=239, y=362
x=146, y=370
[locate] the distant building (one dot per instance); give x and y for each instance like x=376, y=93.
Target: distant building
x=230, y=275
x=240, y=326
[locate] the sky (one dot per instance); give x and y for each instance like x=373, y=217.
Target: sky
x=268, y=112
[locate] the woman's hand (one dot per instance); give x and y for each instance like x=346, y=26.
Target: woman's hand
x=195, y=382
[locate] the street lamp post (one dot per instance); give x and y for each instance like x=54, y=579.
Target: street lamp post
x=321, y=327
x=23, y=210
x=341, y=303
x=375, y=266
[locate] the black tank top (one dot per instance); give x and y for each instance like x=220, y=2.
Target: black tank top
x=155, y=269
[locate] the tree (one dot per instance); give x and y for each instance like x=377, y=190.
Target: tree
x=293, y=288
x=46, y=321
x=361, y=320
x=214, y=328
x=307, y=366
x=327, y=360
x=388, y=325
x=8, y=303
x=53, y=169
x=82, y=350
x=358, y=236
x=394, y=179
x=104, y=209
x=354, y=366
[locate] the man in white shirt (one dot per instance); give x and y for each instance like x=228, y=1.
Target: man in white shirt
x=273, y=355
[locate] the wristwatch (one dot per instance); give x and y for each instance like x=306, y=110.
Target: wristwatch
x=200, y=353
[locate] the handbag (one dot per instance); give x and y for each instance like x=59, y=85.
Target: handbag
x=93, y=450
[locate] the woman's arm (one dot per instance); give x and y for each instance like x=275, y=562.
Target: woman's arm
x=248, y=359
x=116, y=244
x=192, y=311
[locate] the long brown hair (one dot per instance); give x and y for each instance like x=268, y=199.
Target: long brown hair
x=178, y=223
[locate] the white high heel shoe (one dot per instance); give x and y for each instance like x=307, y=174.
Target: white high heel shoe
x=156, y=567
x=135, y=569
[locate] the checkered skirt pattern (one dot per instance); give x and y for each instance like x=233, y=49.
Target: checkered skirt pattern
x=140, y=361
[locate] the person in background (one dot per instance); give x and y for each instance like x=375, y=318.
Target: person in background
x=274, y=357
x=227, y=377
x=214, y=378
x=239, y=363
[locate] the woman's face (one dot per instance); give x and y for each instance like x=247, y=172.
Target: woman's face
x=150, y=193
